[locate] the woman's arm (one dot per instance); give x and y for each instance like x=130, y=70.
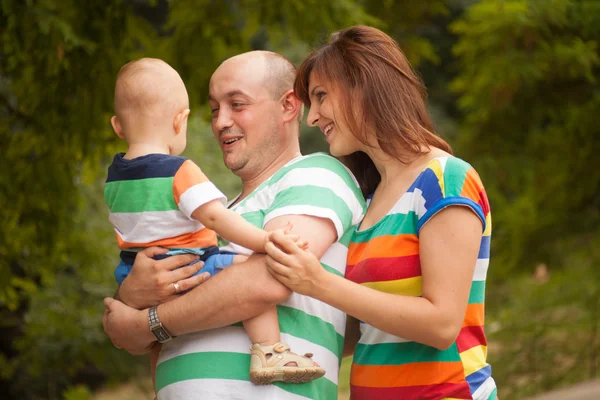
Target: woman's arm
x=448, y=246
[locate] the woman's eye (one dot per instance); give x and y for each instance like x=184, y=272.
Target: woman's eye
x=320, y=96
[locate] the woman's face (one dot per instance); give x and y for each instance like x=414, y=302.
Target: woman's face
x=326, y=113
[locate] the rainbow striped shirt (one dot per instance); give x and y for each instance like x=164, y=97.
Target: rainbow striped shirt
x=386, y=257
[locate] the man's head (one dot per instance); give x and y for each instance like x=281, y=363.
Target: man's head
x=151, y=105
x=255, y=114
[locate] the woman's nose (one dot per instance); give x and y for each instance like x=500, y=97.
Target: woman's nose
x=313, y=116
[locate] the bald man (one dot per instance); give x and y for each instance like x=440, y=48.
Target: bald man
x=255, y=119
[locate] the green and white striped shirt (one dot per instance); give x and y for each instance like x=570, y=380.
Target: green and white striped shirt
x=214, y=364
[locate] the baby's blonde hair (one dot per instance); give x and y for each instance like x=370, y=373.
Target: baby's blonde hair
x=149, y=87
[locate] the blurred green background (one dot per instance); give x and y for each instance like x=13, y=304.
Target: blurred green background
x=513, y=86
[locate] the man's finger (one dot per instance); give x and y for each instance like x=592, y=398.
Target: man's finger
x=107, y=302
x=186, y=272
x=150, y=252
x=190, y=283
x=174, y=262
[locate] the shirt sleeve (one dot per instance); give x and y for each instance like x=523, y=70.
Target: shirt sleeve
x=320, y=187
x=451, y=182
x=192, y=189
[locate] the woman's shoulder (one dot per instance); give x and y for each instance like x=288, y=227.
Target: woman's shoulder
x=449, y=181
x=450, y=175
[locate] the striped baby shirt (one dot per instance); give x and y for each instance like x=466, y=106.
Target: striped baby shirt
x=213, y=365
x=385, y=257
x=151, y=200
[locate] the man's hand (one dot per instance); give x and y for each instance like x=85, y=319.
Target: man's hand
x=152, y=282
x=127, y=327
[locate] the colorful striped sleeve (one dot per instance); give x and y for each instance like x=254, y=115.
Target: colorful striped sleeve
x=450, y=182
x=192, y=189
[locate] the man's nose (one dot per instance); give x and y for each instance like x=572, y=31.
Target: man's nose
x=224, y=120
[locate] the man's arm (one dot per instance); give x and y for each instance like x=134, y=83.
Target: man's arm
x=239, y=292
x=243, y=290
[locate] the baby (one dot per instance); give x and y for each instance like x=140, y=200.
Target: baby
x=157, y=198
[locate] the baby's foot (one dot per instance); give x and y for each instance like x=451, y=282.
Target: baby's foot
x=269, y=364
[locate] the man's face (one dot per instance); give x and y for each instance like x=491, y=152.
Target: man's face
x=246, y=121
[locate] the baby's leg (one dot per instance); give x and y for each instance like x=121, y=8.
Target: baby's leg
x=264, y=328
x=154, y=353
x=272, y=360
x=238, y=258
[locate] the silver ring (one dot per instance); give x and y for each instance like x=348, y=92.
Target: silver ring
x=176, y=286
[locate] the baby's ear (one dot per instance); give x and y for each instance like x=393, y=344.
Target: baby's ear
x=180, y=120
x=114, y=121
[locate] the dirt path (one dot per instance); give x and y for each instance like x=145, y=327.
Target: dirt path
x=582, y=391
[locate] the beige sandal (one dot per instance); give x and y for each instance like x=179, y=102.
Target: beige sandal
x=268, y=364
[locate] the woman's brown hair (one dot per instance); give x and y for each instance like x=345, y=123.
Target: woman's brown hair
x=369, y=67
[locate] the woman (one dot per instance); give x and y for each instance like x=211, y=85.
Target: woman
x=417, y=263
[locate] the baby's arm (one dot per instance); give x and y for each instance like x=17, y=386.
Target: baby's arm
x=230, y=226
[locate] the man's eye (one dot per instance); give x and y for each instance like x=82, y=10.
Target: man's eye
x=237, y=104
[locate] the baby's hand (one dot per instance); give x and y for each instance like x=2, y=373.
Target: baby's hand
x=287, y=232
x=303, y=244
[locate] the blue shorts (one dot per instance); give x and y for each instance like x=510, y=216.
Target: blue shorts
x=214, y=261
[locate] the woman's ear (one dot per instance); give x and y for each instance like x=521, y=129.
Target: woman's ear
x=180, y=120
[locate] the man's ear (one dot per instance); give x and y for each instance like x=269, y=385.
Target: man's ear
x=114, y=121
x=180, y=120
x=291, y=106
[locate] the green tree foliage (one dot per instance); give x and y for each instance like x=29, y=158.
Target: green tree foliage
x=529, y=88
x=56, y=56
x=58, y=62
x=409, y=22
